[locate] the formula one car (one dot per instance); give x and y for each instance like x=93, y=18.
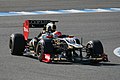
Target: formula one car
x=50, y=49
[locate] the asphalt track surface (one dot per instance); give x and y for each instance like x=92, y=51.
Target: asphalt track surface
x=90, y=26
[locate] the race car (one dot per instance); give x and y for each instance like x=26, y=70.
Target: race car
x=49, y=48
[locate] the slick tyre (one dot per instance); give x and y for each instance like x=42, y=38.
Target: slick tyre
x=17, y=44
x=43, y=47
x=95, y=48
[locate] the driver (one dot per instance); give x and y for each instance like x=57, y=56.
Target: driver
x=49, y=28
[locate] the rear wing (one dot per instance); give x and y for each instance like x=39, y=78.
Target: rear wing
x=34, y=24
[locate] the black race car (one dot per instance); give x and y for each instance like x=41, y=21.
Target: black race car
x=49, y=48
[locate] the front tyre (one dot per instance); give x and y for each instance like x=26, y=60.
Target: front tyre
x=94, y=49
x=17, y=44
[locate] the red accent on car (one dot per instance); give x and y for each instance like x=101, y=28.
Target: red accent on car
x=58, y=34
x=26, y=29
x=70, y=36
x=46, y=58
x=50, y=36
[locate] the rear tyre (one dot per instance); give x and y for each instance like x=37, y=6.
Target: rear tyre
x=17, y=44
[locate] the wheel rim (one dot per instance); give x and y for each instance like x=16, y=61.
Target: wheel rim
x=89, y=50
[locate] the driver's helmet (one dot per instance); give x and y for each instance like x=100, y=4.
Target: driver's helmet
x=57, y=34
x=50, y=27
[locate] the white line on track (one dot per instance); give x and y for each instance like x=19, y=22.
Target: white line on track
x=117, y=51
